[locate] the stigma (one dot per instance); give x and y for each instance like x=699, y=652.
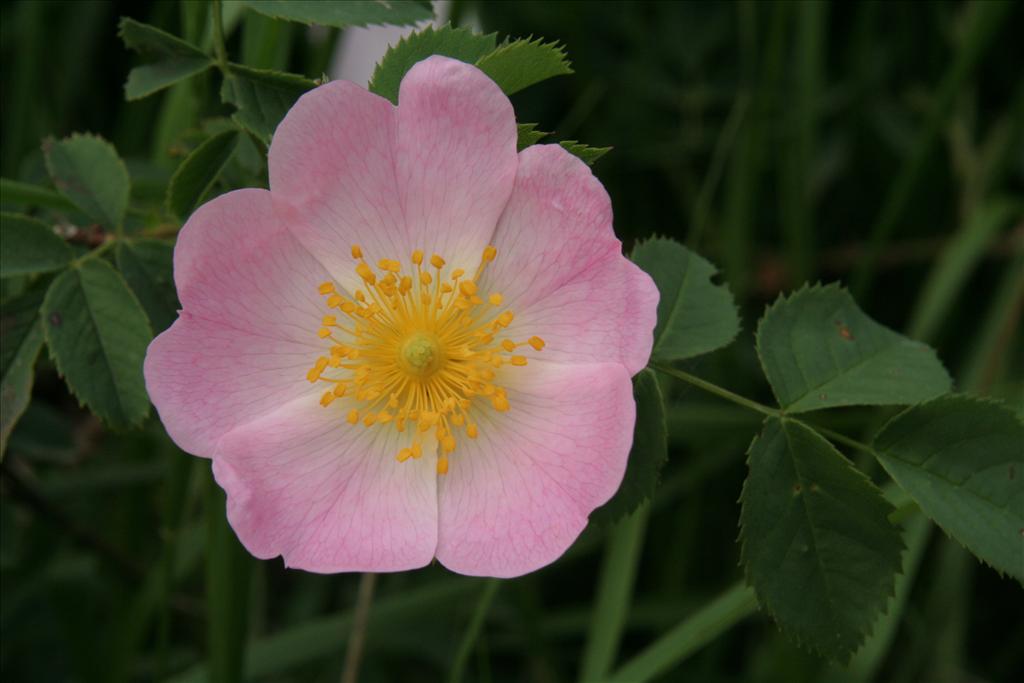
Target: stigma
x=420, y=352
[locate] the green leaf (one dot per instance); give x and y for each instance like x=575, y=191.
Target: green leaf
x=348, y=13
x=262, y=97
x=87, y=170
x=521, y=63
x=457, y=43
x=817, y=545
x=819, y=350
x=21, y=337
x=962, y=460
x=646, y=458
x=148, y=267
x=199, y=171
x=97, y=333
x=171, y=59
x=528, y=135
x=27, y=194
x=588, y=154
x=695, y=315
x=29, y=246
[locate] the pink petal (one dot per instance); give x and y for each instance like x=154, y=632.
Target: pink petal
x=332, y=172
x=434, y=174
x=326, y=495
x=456, y=157
x=247, y=334
x=561, y=269
x=517, y=497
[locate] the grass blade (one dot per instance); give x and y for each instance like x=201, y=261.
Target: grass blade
x=689, y=636
x=614, y=595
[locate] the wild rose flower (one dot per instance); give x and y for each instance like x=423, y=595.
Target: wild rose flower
x=417, y=344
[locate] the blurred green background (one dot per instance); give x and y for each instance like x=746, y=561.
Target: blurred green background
x=881, y=144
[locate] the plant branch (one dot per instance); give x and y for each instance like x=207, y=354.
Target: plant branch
x=717, y=390
x=759, y=407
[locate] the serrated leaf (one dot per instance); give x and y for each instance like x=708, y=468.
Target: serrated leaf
x=528, y=135
x=171, y=59
x=457, y=43
x=148, y=267
x=819, y=350
x=695, y=315
x=647, y=456
x=29, y=246
x=348, y=13
x=262, y=97
x=199, y=171
x=97, y=334
x=817, y=545
x=21, y=337
x=588, y=154
x=87, y=170
x=521, y=63
x=962, y=460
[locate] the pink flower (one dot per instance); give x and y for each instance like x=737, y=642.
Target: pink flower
x=417, y=344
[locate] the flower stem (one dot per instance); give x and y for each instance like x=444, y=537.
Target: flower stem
x=472, y=633
x=360, y=618
x=718, y=391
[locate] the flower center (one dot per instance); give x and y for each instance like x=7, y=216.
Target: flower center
x=421, y=355
x=419, y=351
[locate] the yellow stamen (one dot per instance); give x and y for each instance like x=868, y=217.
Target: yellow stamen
x=417, y=350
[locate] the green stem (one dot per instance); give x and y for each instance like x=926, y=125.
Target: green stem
x=218, y=36
x=718, y=391
x=843, y=439
x=759, y=407
x=98, y=251
x=360, y=619
x=472, y=633
x=728, y=609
